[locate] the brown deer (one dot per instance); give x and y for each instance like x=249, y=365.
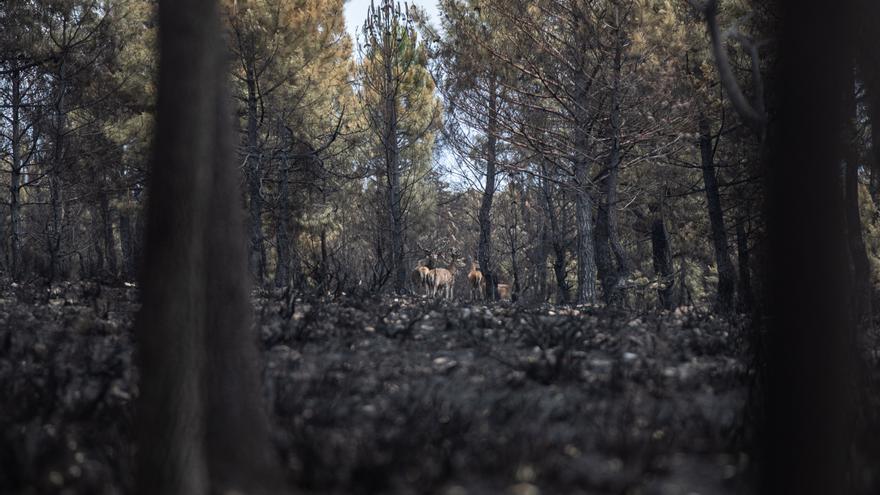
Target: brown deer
x=420, y=279
x=503, y=291
x=476, y=282
x=444, y=278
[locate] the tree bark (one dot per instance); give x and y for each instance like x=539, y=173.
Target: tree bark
x=874, y=116
x=662, y=258
x=746, y=299
x=282, y=217
x=540, y=266
x=812, y=368
x=861, y=267
x=257, y=257
x=126, y=238
x=726, y=273
x=200, y=427
x=607, y=238
x=556, y=238
x=108, y=241
x=56, y=207
x=392, y=171
x=15, y=178
x=583, y=200
x=586, y=271
x=484, y=245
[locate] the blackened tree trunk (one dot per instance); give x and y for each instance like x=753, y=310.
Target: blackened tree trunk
x=557, y=238
x=282, y=238
x=257, y=257
x=15, y=179
x=585, y=252
x=56, y=207
x=392, y=171
x=746, y=298
x=127, y=240
x=608, y=247
x=662, y=258
x=484, y=246
x=861, y=268
x=512, y=236
x=201, y=427
x=540, y=267
x=107, y=239
x=874, y=115
x=726, y=273
x=811, y=362
x=583, y=200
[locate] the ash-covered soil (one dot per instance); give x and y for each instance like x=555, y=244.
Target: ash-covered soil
x=391, y=395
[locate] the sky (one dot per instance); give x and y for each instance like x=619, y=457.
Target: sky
x=356, y=12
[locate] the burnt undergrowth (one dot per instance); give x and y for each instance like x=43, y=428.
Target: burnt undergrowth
x=400, y=395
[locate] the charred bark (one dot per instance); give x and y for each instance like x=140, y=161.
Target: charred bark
x=557, y=239
x=662, y=258
x=860, y=266
x=484, y=245
x=107, y=240
x=745, y=296
x=200, y=426
x=126, y=238
x=257, y=257
x=812, y=363
x=282, y=238
x=726, y=273
x=15, y=180
x=608, y=247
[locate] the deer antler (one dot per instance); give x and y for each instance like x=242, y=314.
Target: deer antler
x=423, y=249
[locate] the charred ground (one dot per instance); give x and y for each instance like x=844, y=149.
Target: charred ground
x=401, y=395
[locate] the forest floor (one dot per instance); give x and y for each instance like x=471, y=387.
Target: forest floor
x=401, y=396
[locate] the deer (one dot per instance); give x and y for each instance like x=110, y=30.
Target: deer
x=503, y=291
x=476, y=281
x=420, y=278
x=444, y=278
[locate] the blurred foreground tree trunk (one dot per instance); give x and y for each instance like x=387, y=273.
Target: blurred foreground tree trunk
x=811, y=360
x=201, y=427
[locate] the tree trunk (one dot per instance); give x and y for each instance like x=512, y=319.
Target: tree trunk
x=586, y=271
x=662, y=257
x=556, y=239
x=746, y=300
x=608, y=247
x=812, y=368
x=324, y=266
x=583, y=200
x=512, y=232
x=126, y=238
x=109, y=242
x=726, y=273
x=392, y=170
x=484, y=246
x=540, y=266
x=96, y=266
x=200, y=427
x=860, y=266
x=282, y=217
x=257, y=257
x=56, y=208
x=874, y=115
x=15, y=179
